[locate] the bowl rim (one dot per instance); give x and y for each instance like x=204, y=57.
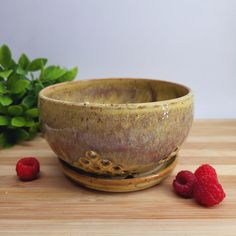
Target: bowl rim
x=115, y=105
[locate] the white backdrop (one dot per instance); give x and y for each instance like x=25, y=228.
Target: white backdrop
x=188, y=41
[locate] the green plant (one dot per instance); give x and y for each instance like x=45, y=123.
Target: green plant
x=20, y=83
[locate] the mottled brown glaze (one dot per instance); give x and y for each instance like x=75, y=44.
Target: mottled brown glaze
x=116, y=127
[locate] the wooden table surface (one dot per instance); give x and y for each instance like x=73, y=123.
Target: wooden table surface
x=53, y=205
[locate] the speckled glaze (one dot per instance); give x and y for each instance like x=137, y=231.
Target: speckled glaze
x=116, y=127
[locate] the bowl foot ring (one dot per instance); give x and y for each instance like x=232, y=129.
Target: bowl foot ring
x=116, y=184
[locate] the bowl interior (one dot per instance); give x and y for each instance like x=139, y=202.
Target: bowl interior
x=116, y=91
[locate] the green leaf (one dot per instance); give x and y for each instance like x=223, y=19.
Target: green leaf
x=34, y=112
x=5, y=74
x=19, y=85
x=69, y=75
x=29, y=101
x=12, y=78
x=4, y=120
x=37, y=64
x=22, y=134
x=20, y=71
x=19, y=96
x=38, y=88
x=23, y=61
x=53, y=72
x=18, y=121
x=3, y=88
x=5, y=56
x=29, y=123
x=34, y=128
x=12, y=65
x=15, y=110
x=5, y=100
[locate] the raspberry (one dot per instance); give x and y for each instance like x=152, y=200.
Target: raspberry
x=27, y=168
x=207, y=179
x=205, y=170
x=183, y=183
x=203, y=185
x=208, y=192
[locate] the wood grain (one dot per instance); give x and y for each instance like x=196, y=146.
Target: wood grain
x=55, y=206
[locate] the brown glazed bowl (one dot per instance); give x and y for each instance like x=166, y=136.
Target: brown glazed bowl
x=116, y=134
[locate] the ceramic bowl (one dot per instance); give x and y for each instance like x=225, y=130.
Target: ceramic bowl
x=116, y=128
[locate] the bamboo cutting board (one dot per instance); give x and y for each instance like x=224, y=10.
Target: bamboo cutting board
x=53, y=205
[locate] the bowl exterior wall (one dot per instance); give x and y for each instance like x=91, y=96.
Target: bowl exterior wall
x=115, y=141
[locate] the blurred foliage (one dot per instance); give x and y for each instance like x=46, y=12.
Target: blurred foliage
x=20, y=84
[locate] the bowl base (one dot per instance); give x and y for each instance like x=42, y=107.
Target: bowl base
x=120, y=184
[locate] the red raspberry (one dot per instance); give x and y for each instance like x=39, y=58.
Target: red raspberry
x=183, y=183
x=27, y=168
x=208, y=179
x=206, y=170
x=208, y=192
